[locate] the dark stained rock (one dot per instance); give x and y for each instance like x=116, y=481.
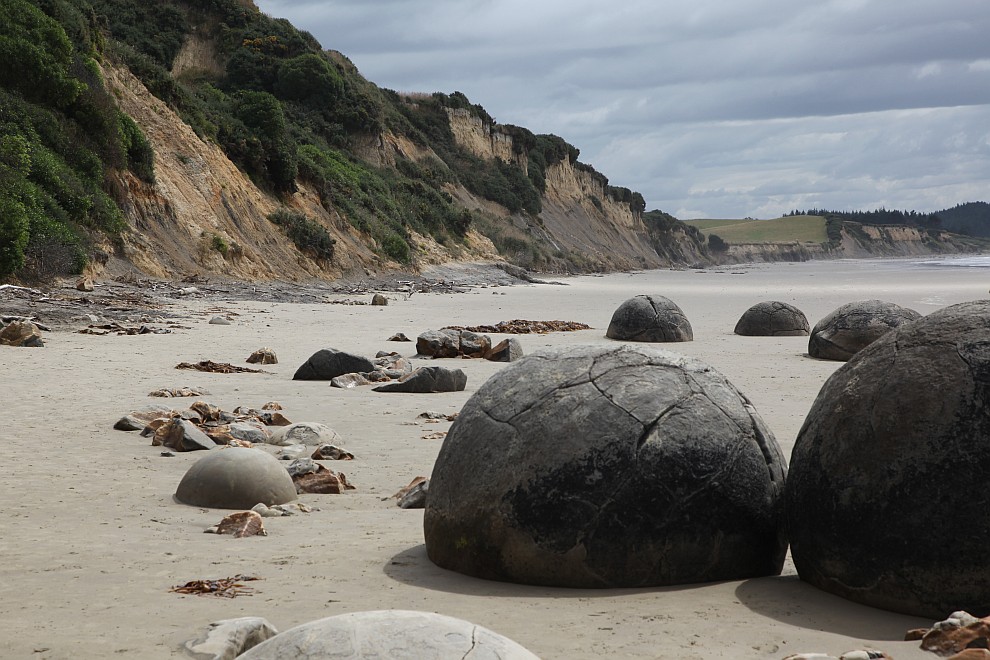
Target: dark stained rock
x=772, y=318
x=236, y=478
x=620, y=466
x=428, y=380
x=854, y=326
x=388, y=634
x=379, y=299
x=886, y=497
x=507, y=350
x=328, y=363
x=311, y=477
x=399, y=336
x=473, y=344
x=649, y=319
x=415, y=497
x=444, y=343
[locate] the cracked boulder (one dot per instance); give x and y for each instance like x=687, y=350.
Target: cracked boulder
x=649, y=319
x=388, y=634
x=772, y=318
x=854, y=326
x=886, y=497
x=597, y=466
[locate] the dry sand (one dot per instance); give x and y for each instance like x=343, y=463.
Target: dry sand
x=92, y=541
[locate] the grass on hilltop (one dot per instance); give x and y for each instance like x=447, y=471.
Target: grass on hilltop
x=800, y=228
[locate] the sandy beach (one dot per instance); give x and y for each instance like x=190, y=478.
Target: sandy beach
x=92, y=540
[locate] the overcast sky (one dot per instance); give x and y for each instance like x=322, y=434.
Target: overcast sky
x=709, y=108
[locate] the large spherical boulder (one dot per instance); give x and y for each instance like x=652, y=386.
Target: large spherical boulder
x=854, y=326
x=388, y=634
x=601, y=466
x=772, y=318
x=886, y=499
x=236, y=478
x=649, y=319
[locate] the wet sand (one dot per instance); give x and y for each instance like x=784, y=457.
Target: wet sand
x=92, y=540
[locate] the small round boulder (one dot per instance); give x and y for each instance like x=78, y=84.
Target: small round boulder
x=854, y=326
x=649, y=319
x=887, y=491
x=388, y=634
x=772, y=318
x=236, y=478
x=597, y=466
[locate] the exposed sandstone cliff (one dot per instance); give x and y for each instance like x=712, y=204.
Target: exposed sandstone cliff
x=579, y=217
x=200, y=201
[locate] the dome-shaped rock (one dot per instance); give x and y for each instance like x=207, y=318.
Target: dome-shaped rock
x=328, y=363
x=887, y=491
x=772, y=318
x=388, y=634
x=854, y=326
x=649, y=319
x=597, y=466
x=305, y=433
x=236, y=478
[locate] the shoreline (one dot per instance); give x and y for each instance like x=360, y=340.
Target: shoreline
x=93, y=540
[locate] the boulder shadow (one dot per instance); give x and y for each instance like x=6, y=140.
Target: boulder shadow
x=413, y=567
x=794, y=602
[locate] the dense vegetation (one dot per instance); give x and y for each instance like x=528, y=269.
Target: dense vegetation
x=281, y=108
x=61, y=135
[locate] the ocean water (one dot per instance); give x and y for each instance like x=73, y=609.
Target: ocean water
x=968, y=261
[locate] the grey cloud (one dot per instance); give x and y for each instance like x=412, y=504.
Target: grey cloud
x=711, y=107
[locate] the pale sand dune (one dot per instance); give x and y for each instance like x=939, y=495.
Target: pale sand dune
x=91, y=539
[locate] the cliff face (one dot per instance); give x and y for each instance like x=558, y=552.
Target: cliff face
x=858, y=241
x=200, y=201
x=579, y=217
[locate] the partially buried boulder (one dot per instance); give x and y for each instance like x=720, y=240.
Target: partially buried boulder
x=328, y=363
x=263, y=355
x=305, y=433
x=427, y=380
x=854, y=326
x=601, y=466
x=772, y=318
x=886, y=497
x=236, y=478
x=388, y=634
x=649, y=319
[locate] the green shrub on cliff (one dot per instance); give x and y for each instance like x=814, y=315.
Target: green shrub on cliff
x=61, y=134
